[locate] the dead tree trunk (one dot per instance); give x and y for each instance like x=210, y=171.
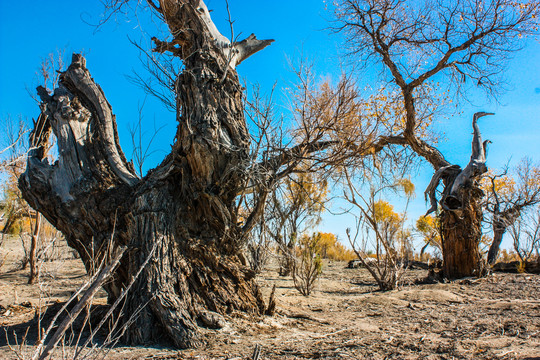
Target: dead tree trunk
x=461, y=235
x=461, y=210
x=183, y=213
x=32, y=258
x=493, y=252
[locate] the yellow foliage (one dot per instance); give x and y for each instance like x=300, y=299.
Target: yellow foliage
x=504, y=186
x=406, y=186
x=17, y=212
x=15, y=209
x=428, y=227
x=486, y=241
x=425, y=224
x=331, y=248
x=386, y=107
x=306, y=191
x=508, y=256
x=308, y=265
x=383, y=212
x=523, y=185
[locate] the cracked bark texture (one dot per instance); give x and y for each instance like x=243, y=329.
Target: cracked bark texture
x=461, y=210
x=182, y=214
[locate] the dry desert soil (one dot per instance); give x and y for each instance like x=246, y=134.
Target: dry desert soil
x=496, y=317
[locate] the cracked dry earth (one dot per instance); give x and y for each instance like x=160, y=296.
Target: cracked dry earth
x=497, y=317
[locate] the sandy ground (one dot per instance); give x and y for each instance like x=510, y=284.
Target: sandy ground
x=497, y=317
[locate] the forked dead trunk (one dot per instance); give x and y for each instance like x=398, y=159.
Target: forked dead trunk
x=183, y=214
x=461, y=210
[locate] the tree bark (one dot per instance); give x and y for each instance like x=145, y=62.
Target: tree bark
x=183, y=213
x=461, y=210
x=501, y=221
x=461, y=235
x=499, y=228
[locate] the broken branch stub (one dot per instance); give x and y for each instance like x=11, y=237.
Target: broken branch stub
x=202, y=25
x=455, y=179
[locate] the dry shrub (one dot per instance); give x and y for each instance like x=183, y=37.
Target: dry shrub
x=308, y=263
x=381, y=226
x=507, y=256
x=258, y=249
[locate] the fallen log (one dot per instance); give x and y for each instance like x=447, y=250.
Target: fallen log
x=531, y=267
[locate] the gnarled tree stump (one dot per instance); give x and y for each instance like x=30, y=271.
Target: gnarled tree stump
x=183, y=214
x=461, y=210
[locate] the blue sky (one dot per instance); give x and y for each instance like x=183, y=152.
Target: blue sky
x=30, y=30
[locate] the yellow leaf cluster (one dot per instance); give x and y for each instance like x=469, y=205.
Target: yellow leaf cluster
x=407, y=186
x=304, y=190
x=504, y=186
x=309, y=250
x=383, y=212
x=428, y=226
x=331, y=248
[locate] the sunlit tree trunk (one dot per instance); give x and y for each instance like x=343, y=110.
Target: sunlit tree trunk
x=32, y=256
x=182, y=215
x=461, y=210
x=461, y=235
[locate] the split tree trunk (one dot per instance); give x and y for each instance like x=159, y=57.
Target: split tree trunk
x=183, y=214
x=461, y=210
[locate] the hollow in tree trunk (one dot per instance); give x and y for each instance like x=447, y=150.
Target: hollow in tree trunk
x=183, y=214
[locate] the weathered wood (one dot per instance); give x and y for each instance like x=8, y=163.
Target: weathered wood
x=472, y=172
x=32, y=257
x=183, y=213
x=531, y=267
x=501, y=221
x=461, y=210
x=461, y=235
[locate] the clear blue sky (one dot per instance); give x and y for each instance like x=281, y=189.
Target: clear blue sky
x=30, y=30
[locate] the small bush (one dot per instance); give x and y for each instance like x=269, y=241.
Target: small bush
x=508, y=256
x=286, y=256
x=308, y=264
